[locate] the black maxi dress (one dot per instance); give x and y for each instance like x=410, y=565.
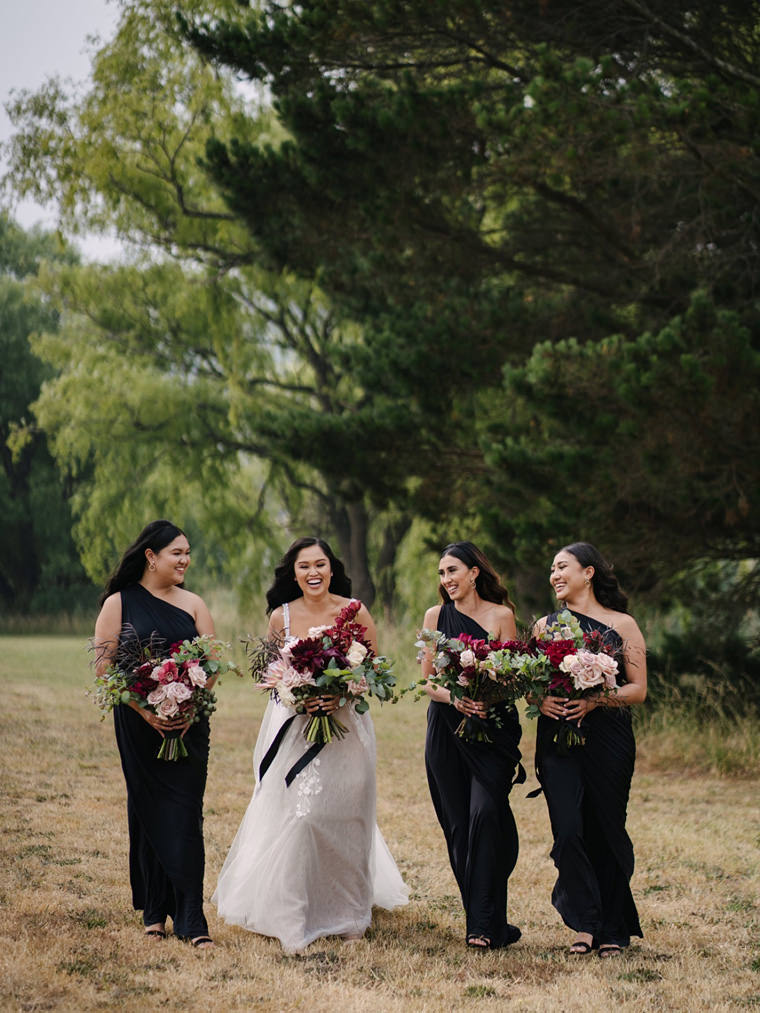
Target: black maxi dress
x=470, y=784
x=587, y=794
x=164, y=798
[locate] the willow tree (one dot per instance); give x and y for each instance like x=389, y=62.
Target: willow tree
x=220, y=360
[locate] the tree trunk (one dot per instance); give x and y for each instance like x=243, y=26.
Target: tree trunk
x=352, y=527
x=393, y=533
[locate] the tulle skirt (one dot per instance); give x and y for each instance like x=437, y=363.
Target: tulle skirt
x=308, y=859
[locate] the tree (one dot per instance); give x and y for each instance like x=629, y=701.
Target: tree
x=652, y=441
x=39, y=569
x=169, y=386
x=266, y=356
x=597, y=154
x=580, y=170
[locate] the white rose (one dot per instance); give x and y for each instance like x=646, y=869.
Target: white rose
x=467, y=659
x=356, y=654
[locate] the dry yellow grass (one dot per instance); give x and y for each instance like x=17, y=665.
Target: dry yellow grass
x=70, y=941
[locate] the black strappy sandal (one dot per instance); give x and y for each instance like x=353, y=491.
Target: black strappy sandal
x=202, y=941
x=580, y=948
x=607, y=950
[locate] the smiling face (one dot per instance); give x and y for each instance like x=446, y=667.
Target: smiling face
x=171, y=561
x=457, y=579
x=312, y=571
x=568, y=578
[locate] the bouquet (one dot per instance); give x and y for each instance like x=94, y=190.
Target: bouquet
x=492, y=671
x=172, y=687
x=572, y=664
x=330, y=660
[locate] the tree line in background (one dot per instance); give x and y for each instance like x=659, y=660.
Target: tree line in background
x=406, y=272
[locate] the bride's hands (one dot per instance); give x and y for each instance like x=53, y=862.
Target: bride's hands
x=326, y=704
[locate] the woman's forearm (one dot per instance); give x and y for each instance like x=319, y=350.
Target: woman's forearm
x=437, y=693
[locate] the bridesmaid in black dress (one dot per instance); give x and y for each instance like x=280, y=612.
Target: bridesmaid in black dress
x=587, y=788
x=470, y=782
x=145, y=599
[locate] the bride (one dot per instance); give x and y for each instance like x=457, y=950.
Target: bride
x=308, y=859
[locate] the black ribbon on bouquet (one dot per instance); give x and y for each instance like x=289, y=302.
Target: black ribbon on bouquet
x=299, y=765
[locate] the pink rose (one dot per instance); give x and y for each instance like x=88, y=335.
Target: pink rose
x=196, y=675
x=178, y=691
x=157, y=695
x=168, y=708
x=467, y=659
x=609, y=669
x=588, y=670
x=357, y=688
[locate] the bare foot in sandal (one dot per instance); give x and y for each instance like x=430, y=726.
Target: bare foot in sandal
x=607, y=950
x=203, y=943
x=583, y=945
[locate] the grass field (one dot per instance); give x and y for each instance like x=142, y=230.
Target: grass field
x=69, y=939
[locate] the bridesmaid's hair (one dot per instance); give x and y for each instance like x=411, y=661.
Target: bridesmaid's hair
x=155, y=536
x=604, y=582
x=487, y=583
x=285, y=587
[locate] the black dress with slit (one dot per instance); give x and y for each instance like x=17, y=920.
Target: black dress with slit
x=587, y=792
x=164, y=798
x=470, y=784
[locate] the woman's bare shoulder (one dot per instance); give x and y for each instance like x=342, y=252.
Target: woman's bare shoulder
x=430, y=622
x=501, y=611
x=625, y=624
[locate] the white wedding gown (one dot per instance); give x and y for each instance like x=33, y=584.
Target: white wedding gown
x=309, y=860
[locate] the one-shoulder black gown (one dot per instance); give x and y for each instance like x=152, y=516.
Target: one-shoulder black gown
x=470, y=784
x=587, y=793
x=164, y=798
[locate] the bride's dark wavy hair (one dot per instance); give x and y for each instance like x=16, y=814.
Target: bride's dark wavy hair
x=155, y=536
x=487, y=583
x=285, y=587
x=604, y=582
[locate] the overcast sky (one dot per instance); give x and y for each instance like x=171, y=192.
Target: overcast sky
x=40, y=39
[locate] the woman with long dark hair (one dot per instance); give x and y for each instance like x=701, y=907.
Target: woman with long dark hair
x=145, y=602
x=470, y=782
x=308, y=859
x=587, y=786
